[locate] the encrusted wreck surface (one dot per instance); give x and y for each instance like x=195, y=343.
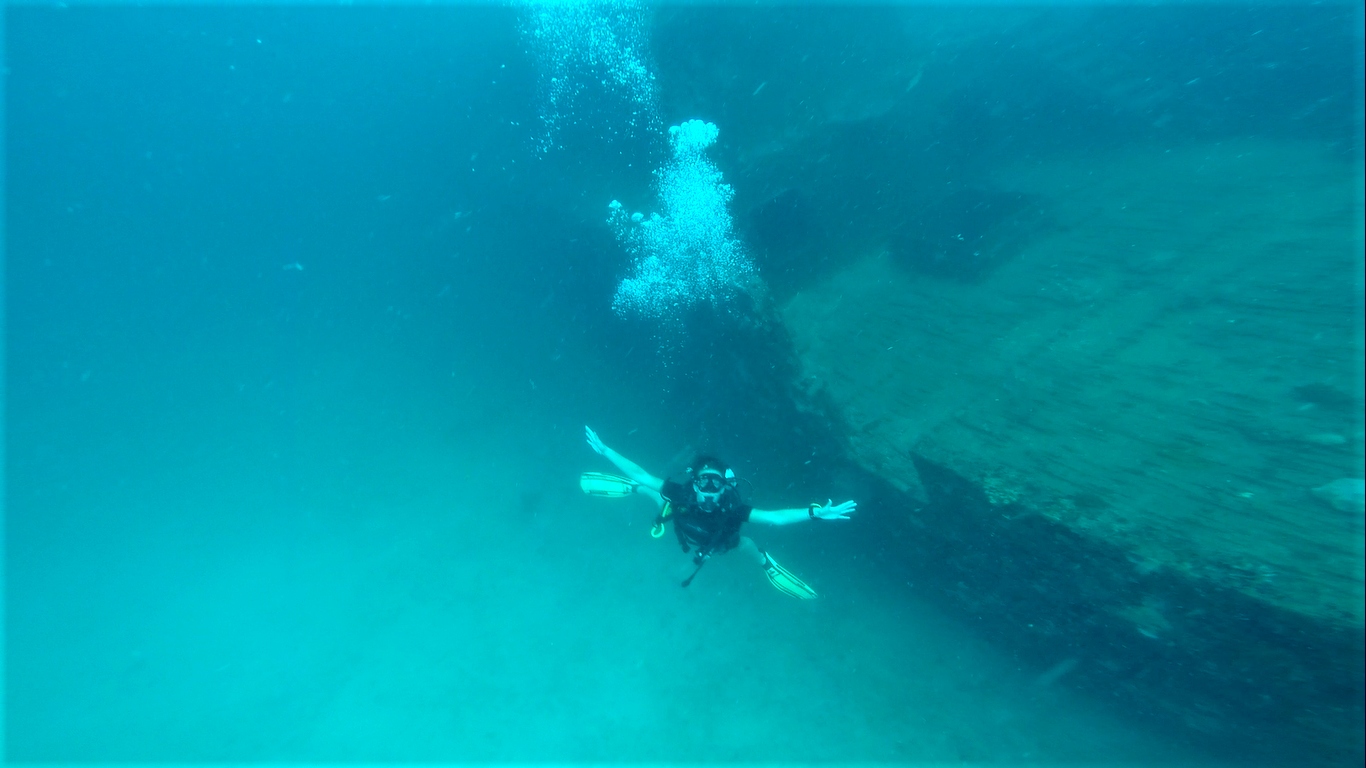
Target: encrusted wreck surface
x=1156, y=356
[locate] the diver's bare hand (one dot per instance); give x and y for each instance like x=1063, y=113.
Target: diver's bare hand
x=833, y=511
x=595, y=442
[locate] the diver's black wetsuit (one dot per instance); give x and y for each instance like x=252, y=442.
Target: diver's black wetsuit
x=711, y=529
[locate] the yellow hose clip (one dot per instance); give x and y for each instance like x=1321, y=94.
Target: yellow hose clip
x=657, y=529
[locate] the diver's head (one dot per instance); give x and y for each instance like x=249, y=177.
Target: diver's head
x=711, y=478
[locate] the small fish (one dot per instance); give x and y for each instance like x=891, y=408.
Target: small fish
x=915, y=80
x=1056, y=672
x=293, y=265
x=1347, y=494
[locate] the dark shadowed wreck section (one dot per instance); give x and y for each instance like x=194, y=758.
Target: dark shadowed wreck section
x=1235, y=671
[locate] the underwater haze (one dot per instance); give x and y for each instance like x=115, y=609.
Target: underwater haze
x=307, y=308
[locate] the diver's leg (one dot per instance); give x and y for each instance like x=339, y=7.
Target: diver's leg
x=751, y=549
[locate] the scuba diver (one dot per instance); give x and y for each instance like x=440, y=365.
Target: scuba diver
x=706, y=511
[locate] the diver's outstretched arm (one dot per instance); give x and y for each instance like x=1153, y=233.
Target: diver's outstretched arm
x=831, y=511
x=632, y=469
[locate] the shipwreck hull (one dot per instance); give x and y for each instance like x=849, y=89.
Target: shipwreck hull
x=1101, y=415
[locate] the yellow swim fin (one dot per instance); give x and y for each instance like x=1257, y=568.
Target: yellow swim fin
x=607, y=486
x=783, y=580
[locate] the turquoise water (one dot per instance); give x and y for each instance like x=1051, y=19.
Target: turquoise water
x=307, y=309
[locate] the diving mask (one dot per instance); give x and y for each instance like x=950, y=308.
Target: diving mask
x=710, y=482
